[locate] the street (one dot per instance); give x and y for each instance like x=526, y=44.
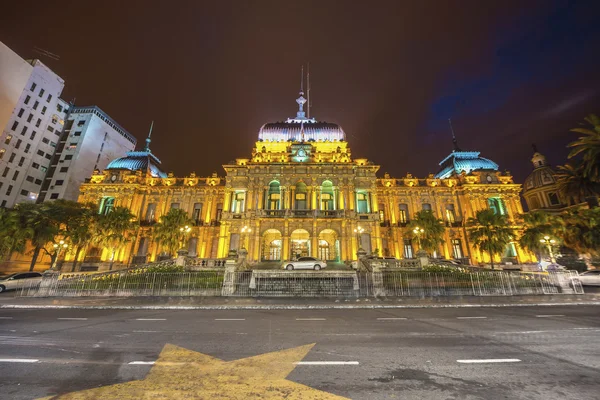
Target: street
x=550, y=352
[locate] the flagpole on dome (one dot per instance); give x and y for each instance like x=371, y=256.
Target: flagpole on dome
x=148, y=140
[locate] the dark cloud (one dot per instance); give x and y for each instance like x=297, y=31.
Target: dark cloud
x=210, y=73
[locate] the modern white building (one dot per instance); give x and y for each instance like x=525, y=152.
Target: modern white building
x=91, y=139
x=31, y=118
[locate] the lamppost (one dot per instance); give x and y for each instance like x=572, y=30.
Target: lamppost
x=418, y=232
x=185, y=231
x=58, y=247
x=549, y=243
x=359, y=230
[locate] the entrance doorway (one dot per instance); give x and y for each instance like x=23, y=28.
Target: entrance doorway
x=299, y=244
x=271, y=249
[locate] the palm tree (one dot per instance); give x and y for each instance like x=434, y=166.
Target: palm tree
x=588, y=146
x=433, y=230
x=573, y=183
x=582, y=232
x=167, y=232
x=114, y=229
x=537, y=225
x=490, y=232
x=39, y=225
x=80, y=228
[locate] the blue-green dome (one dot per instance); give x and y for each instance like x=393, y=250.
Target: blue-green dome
x=467, y=161
x=139, y=161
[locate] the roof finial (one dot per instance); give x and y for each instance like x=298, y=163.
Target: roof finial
x=454, y=141
x=148, y=140
x=301, y=100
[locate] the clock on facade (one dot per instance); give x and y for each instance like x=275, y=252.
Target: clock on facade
x=113, y=178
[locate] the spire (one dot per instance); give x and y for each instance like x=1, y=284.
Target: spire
x=301, y=100
x=308, y=106
x=148, y=140
x=454, y=141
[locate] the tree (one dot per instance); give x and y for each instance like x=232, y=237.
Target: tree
x=582, y=232
x=167, y=232
x=39, y=224
x=572, y=183
x=80, y=228
x=433, y=230
x=12, y=237
x=537, y=225
x=114, y=229
x=490, y=232
x=588, y=146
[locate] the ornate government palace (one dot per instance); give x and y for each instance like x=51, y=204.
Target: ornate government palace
x=300, y=192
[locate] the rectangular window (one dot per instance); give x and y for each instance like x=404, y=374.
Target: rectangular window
x=77, y=133
x=426, y=207
x=33, y=86
x=2, y=153
x=457, y=249
x=38, y=181
x=54, y=196
x=408, y=249
x=450, y=215
x=29, y=178
x=43, y=169
x=27, y=99
x=30, y=118
x=174, y=206
x=27, y=147
x=362, y=203
x=69, y=157
x=52, y=144
x=7, y=140
x=81, y=123
x=48, y=156
x=106, y=205
x=45, y=140
x=40, y=153
x=3, y=204
x=41, y=92
x=32, y=136
x=48, y=98
x=64, y=169
x=14, y=125
x=59, y=108
x=21, y=161
x=496, y=204
x=38, y=122
x=35, y=165
x=9, y=190
x=24, y=192
x=197, y=213
x=24, y=131
x=403, y=213
x=21, y=111
x=553, y=197
x=19, y=141
x=44, y=110
x=36, y=104
x=15, y=175
x=11, y=158
x=150, y=212
x=51, y=129
x=59, y=182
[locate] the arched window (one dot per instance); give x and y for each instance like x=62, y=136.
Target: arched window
x=327, y=200
x=497, y=205
x=301, y=194
x=274, y=197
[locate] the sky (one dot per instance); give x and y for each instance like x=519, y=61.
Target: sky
x=391, y=73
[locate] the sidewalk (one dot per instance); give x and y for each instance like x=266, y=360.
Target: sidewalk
x=219, y=303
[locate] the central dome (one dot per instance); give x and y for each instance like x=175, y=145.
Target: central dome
x=464, y=161
x=301, y=130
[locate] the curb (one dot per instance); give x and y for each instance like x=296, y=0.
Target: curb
x=290, y=307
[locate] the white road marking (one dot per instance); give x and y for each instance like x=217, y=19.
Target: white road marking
x=73, y=319
x=6, y=317
x=230, y=319
x=471, y=317
x=18, y=360
x=549, y=315
x=310, y=319
x=327, y=363
x=145, y=331
x=385, y=319
x=489, y=360
x=150, y=319
x=142, y=363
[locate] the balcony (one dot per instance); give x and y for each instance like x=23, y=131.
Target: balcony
x=303, y=213
x=330, y=213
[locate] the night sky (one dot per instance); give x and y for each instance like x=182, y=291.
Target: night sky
x=391, y=73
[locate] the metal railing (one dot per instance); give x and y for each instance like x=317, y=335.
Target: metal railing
x=271, y=283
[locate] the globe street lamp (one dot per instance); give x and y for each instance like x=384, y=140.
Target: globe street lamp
x=549, y=243
x=185, y=231
x=418, y=232
x=58, y=247
x=359, y=230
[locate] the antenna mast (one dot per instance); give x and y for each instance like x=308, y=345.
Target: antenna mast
x=454, y=141
x=308, y=88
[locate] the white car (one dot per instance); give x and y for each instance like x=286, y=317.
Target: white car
x=590, y=278
x=305, y=263
x=20, y=280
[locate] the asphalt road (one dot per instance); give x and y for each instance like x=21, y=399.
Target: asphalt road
x=443, y=353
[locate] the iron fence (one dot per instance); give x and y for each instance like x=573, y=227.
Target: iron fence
x=306, y=284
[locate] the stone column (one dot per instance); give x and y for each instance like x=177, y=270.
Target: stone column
x=315, y=205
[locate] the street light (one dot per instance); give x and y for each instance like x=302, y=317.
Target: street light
x=58, y=247
x=185, y=230
x=359, y=230
x=549, y=243
x=245, y=230
x=418, y=232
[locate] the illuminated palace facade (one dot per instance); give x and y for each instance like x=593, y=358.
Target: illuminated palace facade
x=302, y=193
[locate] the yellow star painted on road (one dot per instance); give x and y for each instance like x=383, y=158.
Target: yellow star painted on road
x=184, y=374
